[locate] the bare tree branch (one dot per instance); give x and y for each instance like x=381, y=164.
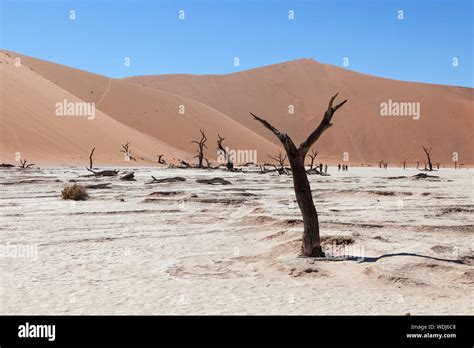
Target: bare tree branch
x=201, y=146
x=283, y=137
x=325, y=124
x=90, y=158
x=220, y=147
x=24, y=165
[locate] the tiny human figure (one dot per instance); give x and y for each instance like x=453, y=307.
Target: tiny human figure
x=320, y=167
x=338, y=167
x=325, y=168
x=347, y=167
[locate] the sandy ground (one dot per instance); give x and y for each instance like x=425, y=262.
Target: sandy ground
x=193, y=248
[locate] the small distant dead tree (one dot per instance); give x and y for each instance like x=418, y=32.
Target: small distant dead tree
x=312, y=155
x=311, y=245
x=24, y=165
x=228, y=162
x=90, y=158
x=428, y=156
x=280, y=159
x=127, y=151
x=161, y=160
x=202, y=145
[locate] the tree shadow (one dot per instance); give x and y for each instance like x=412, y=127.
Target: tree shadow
x=362, y=259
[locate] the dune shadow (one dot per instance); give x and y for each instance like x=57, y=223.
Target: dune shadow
x=362, y=259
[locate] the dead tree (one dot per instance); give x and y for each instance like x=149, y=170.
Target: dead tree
x=311, y=245
x=428, y=155
x=90, y=158
x=127, y=151
x=280, y=159
x=161, y=160
x=102, y=172
x=202, y=145
x=228, y=162
x=312, y=155
x=24, y=165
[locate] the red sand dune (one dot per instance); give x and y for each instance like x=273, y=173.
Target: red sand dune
x=33, y=90
x=145, y=111
x=446, y=113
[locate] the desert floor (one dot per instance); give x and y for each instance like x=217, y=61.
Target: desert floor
x=191, y=248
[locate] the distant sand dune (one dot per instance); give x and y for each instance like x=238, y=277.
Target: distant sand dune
x=146, y=110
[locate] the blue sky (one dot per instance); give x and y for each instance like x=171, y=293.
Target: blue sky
x=420, y=47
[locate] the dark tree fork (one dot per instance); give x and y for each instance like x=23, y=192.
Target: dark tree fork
x=201, y=146
x=296, y=155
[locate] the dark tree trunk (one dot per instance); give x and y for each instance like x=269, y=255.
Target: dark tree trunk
x=428, y=155
x=311, y=245
x=201, y=145
x=200, y=159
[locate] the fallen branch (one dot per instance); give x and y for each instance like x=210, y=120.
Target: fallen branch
x=214, y=181
x=165, y=180
x=104, y=172
x=128, y=177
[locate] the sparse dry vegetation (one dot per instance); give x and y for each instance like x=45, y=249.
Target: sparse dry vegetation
x=75, y=192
